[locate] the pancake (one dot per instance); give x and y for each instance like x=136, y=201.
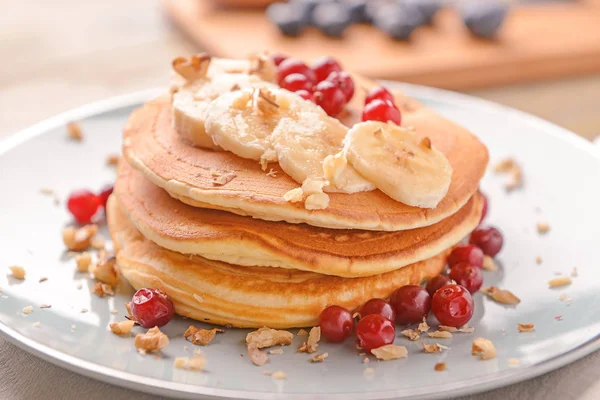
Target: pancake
x=188, y=173
x=222, y=236
x=247, y=297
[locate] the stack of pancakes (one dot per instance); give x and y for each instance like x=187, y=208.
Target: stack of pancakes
x=214, y=232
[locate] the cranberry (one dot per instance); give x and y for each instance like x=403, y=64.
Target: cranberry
x=377, y=306
x=336, y=323
x=379, y=92
x=435, y=283
x=278, y=58
x=484, y=210
x=294, y=66
x=330, y=97
x=295, y=82
x=452, y=305
x=488, y=239
x=323, y=66
x=344, y=81
x=374, y=331
x=105, y=194
x=306, y=95
x=468, y=253
x=151, y=307
x=84, y=205
x=381, y=110
x=467, y=275
x=411, y=303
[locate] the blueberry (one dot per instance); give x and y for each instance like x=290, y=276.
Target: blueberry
x=287, y=18
x=332, y=18
x=305, y=8
x=484, y=19
x=358, y=10
x=427, y=8
x=398, y=22
x=373, y=7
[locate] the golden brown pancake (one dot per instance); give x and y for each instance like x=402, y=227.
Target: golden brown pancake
x=222, y=236
x=247, y=297
x=152, y=146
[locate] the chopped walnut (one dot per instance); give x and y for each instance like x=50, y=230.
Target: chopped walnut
x=433, y=348
x=113, y=160
x=560, y=281
x=565, y=299
x=311, y=345
x=317, y=201
x=366, y=360
x=222, y=179
x=45, y=306
x=510, y=167
x=121, y=328
x=318, y=357
x=423, y=327
x=440, y=334
x=194, y=363
x=37, y=324
x=98, y=243
x=425, y=143
x=200, y=337
x=193, y=68
x=294, y=195
x=276, y=351
x=466, y=329
x=152, y=341
x=440, y=367
x=272, y=173
x=83, y=261
x=489, y=264
x=278, y=375
x=102, y=289
x=543, y=227
x=262, y=64
x=79, y=239
x=17, y=272
x=266, y=102
x=501, y=296
x=74, y=131
x=368, y=371
x=302, y=332
x=390, y=352
x=483, y=348
x=27, y=310
x=412, y=334
x=43, y=279
x=256, y=356
x=445, y=328
x=538, y=260
x=267, y=337
x=525, y=327
x=514, y=362
x=106, y=271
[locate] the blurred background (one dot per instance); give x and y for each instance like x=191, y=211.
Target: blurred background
x=542, y=57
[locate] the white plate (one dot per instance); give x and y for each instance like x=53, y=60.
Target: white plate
x=562, y=187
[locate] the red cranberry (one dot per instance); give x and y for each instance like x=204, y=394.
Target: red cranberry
x=379, y=92
x=323, y=66
x=435, y=283
x=344, y=81
x=336, y=323
x=374, y=331
x=306, y=95
x=467, y=275
x=330, y=97
x=278, y=58
x=484, y=211
x=295, y=82
x=152, y=307
x=294, y=66
x=488, y=239
x=381, y=110
x=452, y=305
x=105, y=194
x=411, y=303
x=468, y=253
x=377, y=306
x=84, y=205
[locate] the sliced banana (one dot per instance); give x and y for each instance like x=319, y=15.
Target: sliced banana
x=304, y=141
x=405, y=168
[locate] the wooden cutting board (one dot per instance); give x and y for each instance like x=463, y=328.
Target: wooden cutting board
x=538, y=41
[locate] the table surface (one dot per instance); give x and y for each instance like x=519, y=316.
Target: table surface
x=65, y=53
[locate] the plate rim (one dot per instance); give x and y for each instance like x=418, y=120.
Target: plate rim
x=169, y=388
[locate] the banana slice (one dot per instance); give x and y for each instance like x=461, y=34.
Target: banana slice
x=304, y=141
x=405, y=168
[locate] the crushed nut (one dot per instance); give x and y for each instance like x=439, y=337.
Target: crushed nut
x=514, y=362
x=152, y=341
x=27, y=310
x=317, y=201
x=423, y=327
x=37, y=324
x=440, y=334
x=266, y=102
x=272, y=173
x=267, y=337
x=445, y=328
x=102, y=289
x=318, y=357
x=294, y=195
x=113, y=160
x=489, y=264
x=433, y=348
x=276, y=351
x=17, y=272
x=45, y=306
x=79, y=239
x=525, y=327
x=467, y=329
x=262, y=64
x=278, y=375
x=565, y=299
x=369, y=371
x=302, y=332
x=366, y=360
x=425, y=143
x=221, y=179
x=543, y=227
x=440, y=367
x=538, y=260
x=256, y=356
x=98, y=243
x=390, y=352
x=200, y=337
x=510, y=167
x=412, y=334
x=121, y=328
x=193, y=68
x=83, y=261
x=106, y=271
x=501, y=296
x=195, y=363
x=560, y=281
x=43, y=279
x=483, y=348
x=74, y=131
x=311, y=345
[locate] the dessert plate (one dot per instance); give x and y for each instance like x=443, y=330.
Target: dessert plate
x=561, y=176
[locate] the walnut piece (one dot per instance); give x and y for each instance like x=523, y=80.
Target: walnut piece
x=445, y=328
x=121, y=328
x=267, y=337
x=560, y=281
x=194, y=363
x=294, y=195
x=276, y=351
x=17, y=272
x=440, y=334
x=543, y=227
x=510, y=167
x=266, y=102
x=193, y=68
x=106, y=271
x=278, y=375
x=489, y=264
x=79, y=239
x=501, y=296
x=83, y=261
x=433, y=348
x=74, y=132
x=440, y=367
x=152, y=341
x=200, y=337
x=102, y=289
x=423, y=327
x=317, y=201
x=256, y=356
x=113, y=160
x=302, y=332
x=390, y=352
x=221, y=178
x=311, y=345
x=412, y=334
x=318, y=357
x=425, y=143
x=27, y=309
x=262, y=64
x=98, y=243
x=483, y=348
x=525, y=327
